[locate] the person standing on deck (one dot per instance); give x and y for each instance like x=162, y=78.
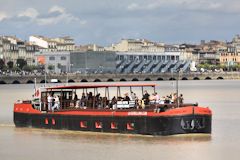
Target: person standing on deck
x=133, y=96
x=49, y=100
x=180, y=98
x=157, y=98
x=146, y=97
x=56, y=103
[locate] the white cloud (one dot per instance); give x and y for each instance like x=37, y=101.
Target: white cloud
x=30, y=12
x=149, y=6
x=62, y=17
x=48, y=18
x=133, y=6
x=57, y=9
x=180, y=4
x=202, y=5
x=3, y=16
x=54, y=20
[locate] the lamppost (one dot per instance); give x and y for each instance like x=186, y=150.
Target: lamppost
x=69, y=71
x=178, y=78
x=45, y=75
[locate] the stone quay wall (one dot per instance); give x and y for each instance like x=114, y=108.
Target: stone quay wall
x=76, y=78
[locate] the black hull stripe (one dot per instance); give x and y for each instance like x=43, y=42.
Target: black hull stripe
x=133, y=124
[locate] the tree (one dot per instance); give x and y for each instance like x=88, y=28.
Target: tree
x=27, y=68
x=50, y=67
x=238, y=67
x=10, y=64
x=21, y=63
x=2, y=64
x=204, y=65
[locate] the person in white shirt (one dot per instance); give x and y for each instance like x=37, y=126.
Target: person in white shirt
x=56, y=103
x=157, y=98
x=49, y=100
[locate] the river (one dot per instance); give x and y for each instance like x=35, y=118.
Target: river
x=222, y=96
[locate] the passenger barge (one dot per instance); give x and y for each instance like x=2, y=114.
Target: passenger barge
x=106, y=114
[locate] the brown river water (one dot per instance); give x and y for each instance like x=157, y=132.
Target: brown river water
x=222, y=96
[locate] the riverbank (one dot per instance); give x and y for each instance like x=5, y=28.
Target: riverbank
x=76, y=77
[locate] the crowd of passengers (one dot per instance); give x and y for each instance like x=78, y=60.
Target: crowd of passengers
x=87, y=100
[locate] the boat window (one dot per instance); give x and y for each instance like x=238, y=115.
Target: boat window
x=83, y=124
x=53, y=121
x=46, y=121
x=98, y=124
x=114, y=125
x=130, y=126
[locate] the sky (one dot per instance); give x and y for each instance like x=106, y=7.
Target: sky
x=108, y=21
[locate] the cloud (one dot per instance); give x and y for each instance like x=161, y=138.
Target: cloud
x=55, y=15
x=30, y=12
x=57, y=9
x=193, y=5
x=3, y=16
x=149, y=6
x=202, y=5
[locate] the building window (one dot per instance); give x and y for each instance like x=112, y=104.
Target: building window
x=177, y=58
x=131, y=58
x=154, y=58
x=121, y=57
x=149, y=58
x=63, y=58
x=168, y=58
x=51, y=58
x=83, y=124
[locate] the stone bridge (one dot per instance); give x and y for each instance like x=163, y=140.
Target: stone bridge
x=76, y=78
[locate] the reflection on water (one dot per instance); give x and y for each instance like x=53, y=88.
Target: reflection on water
x=111, y=138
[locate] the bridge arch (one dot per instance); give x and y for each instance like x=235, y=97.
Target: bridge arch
x=110, y=80
x=147, y=79
x=97, y=80
x=84, y=80
x=3, y=82
x=196, y=78
x=123, y=80
x=208, y=78
x=15, y=82
x=71, y=81
x=30, y=82
x=220, y=78
x=43, y=81
x=160, y=79
x=172, y=79
x=135, y=79
x=184, y=78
